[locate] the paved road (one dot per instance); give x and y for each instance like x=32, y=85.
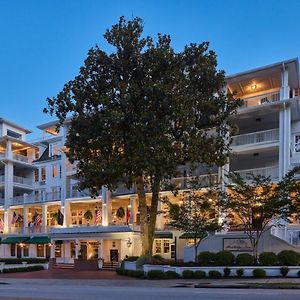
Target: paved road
x=145, y=290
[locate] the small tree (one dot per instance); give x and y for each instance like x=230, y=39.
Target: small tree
x=197, y=215
x=258, y=204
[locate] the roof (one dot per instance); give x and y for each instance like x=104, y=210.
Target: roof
x=52, y=124
x=15, y=239
x=39, y=240
x=163, y=235
x=2, y=120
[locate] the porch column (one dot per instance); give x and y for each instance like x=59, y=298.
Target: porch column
x=105, y=206
x=133, y=209
x=25, y=218
x=52, y=250
x=159, y=218
x=100, y=245
x=66, y=210
x=77, y=248
x=44, y=217
x=6, y=220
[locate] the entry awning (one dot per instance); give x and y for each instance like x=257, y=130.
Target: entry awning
x=15, y=240
x=163, y=235
x=39, y=240
x=188, y=236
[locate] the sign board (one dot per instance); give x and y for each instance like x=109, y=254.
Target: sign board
x=237, y=244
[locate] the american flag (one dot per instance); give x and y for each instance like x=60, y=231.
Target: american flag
x=37, y=220
x=97, y=215
x=14, y=218
x=127, y=216
x=1, y=225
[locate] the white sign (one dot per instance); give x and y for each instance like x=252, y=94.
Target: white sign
x=241, y=245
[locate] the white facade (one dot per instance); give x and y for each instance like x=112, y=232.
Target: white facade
x=37, y=179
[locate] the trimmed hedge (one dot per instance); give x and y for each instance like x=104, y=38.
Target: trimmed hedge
x=284, y=271
x=23, y=269
x=259, y=273
x=131, y=258
x=227, y=272
x=224, y=258
x=239, y=272
x=214, y=274
x=268, y=259
x=244, y=259
x=171, y=275
x=17, y=261
x=156, y=274
x=187, y=274
x=206, y=258
x=199, y=274
x=131, y=273
x=288, y=258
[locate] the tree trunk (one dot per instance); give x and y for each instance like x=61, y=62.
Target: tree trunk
x=143, y=214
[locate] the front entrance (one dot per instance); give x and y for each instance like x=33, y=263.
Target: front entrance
x=19, y=251
x=114, y=255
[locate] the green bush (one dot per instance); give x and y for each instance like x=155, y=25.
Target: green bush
x=244, y=259
x=239, y=272
x=16, y=261
x=214, y=274
x=227, y=272
x=199, y=274
x=284, y=271
x=155, y=274
x=298, y=273
x=206, y=258
x=259, y=273
x=268, y=259
x=288, y=258
x=157, y=260
x=23, y=269
x=132, y=258
x=187, y=274
x=142, y=260
x=171, y=274
x=224, y=258
x=120, y=271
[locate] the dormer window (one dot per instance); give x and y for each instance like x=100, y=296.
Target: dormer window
x=13, y=134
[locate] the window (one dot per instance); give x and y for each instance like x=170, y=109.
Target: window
x=59, y=171
x=157, y=246
x=36, y=175
x=40, y=250
x=43, y=173
x=13, y=134
x=54, y=149
x=57, y=250
x=297, y=143
x=54, y=171
x=25, y=250
x=166, y=246
x=12, y=249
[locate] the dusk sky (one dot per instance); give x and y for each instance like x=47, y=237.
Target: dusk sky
x=43, y=42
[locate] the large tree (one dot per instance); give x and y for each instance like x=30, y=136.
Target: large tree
x=142, y=110
x=257, y=203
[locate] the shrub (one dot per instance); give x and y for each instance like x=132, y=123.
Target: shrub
x=171, y=274
x=298, y=273
x=132, y=258
x=259, y=273
x=227, y=272
x=239, y=272
x=23, y=269
x=187, y=274
x=13, y=261
x=207, y=258
x=142, y=260
x=157, y=260
x=284, y=271
x=224, y=258
x=268, y=259
x=155, y=274
x=120, y=271
x=214, y=274
x=199, y=274
x=244, y=259
x=288, y=258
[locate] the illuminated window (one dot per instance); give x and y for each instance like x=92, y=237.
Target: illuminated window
x=12, y=249
x=57, y=250
x=40, y=250
x=166, y=246
x=157, y=246
x=54, y=171
x=25, y=250
x=36, y=175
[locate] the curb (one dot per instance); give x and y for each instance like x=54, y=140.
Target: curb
x=245, y=286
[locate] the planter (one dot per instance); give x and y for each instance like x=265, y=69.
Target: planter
x=100, y=263
x=85, y=265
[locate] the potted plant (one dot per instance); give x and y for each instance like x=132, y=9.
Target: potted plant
x=100, y=262
x=120, y=214
x=88, y=216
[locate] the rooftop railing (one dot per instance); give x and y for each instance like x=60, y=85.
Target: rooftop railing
x=261, y=99
x=272, y=172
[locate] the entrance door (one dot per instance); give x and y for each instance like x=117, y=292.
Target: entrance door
x=114, y=255
x=19, y=251
x=83, y=251
x=48, y=251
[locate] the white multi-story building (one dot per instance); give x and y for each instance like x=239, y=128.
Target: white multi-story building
x=36, y=179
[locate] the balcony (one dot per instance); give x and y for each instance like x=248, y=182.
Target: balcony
x=16, y=157
x=36, y=198
x=261, y=99
x=258, y=138
x=272, y=172
x=22, y=180
x=74, y=193
x=200, y=181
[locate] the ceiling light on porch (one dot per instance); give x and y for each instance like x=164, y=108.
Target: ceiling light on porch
x=253, y=86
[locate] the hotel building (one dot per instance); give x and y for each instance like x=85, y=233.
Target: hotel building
x=43, y=214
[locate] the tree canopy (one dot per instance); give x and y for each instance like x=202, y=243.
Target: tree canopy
x=142, y=110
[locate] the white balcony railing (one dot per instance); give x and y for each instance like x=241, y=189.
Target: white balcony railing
x=273, y=172
x=22, y=180
x=265, y=136
x=20, y=157
x=36, y=198
x=261, y=99
x=74, y=193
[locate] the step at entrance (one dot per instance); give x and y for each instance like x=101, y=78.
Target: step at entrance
x=63, y=266
x=110, y=265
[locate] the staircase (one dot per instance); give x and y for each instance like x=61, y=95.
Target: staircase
x=110, y=266
x=63, y=266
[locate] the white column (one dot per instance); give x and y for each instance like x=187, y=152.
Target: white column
x=77, y=248
x=8, y=180
x=159, y=217
x=6, y=221
x=52, y=250
x=25, y=218
x=44, y=217
x=105, y=206
x=100, y=245
x=133, y=209
x=284, y=128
